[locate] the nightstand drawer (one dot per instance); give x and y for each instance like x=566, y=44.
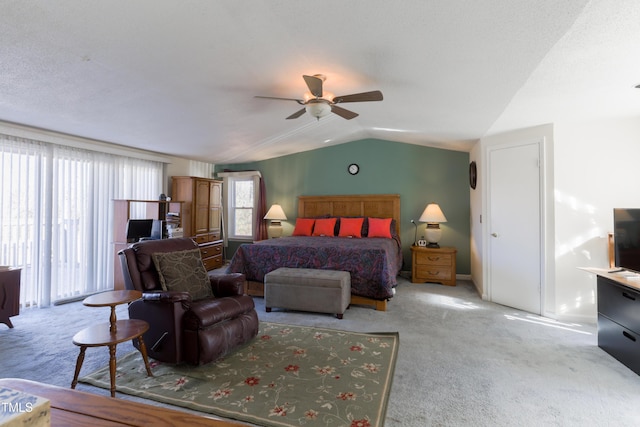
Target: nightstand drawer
x=433, y=265
x=433, y=273
x=434, y=259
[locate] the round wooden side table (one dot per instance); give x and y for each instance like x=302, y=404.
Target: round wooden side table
x=112, y=333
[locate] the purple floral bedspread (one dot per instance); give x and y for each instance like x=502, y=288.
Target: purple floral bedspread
x=373, y=263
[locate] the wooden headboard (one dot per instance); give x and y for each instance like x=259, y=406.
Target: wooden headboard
x=374, y=205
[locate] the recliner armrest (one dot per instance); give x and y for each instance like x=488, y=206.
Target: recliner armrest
x=227, y=285
x=167, y=296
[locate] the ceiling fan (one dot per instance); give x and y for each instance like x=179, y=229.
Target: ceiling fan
x=319, y=103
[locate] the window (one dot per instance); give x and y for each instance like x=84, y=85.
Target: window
x=242, y=205
x=241, y=195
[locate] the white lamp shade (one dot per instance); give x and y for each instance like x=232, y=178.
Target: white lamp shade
x=432, y=214
x=275, y=213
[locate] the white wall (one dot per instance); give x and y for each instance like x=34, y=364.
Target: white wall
x=597, y=169
x=594, y=168
x=476, y=252
x=479, y=231
x=186, y=167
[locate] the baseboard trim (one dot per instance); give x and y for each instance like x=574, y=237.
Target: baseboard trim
x=581, y=318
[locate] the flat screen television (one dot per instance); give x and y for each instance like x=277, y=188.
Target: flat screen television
x=138, y=229
x=626, y=238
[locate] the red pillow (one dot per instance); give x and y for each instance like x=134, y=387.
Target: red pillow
x=303, y=226
x=380, y=227
x=325, y=227
x=350, y=227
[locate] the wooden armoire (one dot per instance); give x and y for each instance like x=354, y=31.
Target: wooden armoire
x=201, y=215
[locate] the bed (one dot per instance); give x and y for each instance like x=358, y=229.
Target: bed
x=373, y=262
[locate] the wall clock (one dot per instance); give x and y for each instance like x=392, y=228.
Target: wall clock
x=353, y=169
x=473, y=175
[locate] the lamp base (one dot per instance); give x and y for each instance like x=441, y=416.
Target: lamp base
x=433, y=234
x=275, y=229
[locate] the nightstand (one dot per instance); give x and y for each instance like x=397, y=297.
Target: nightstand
x=433, y=265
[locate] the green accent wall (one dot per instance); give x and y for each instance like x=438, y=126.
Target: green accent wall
x=419, y=174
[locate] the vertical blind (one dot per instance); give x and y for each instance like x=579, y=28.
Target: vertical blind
x=56, y=215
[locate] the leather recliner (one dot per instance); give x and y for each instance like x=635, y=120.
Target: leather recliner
x=180, y=329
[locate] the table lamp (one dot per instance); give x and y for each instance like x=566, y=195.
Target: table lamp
x=275, y=215
x=433, y=216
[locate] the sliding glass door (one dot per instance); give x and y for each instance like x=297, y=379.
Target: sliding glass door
x=56, y=215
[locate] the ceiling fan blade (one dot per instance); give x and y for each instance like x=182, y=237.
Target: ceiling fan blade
x=314, y=84
x=345, y=114
x=297, y=114
x=299, y=101
x=375, y=95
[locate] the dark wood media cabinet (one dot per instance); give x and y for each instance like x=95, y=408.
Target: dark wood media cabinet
x=9, y=295
x=619, y=316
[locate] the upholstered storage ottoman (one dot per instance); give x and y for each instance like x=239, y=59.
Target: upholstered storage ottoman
x=307, y=289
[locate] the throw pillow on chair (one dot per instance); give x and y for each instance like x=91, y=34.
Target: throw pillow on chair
x=183, y=271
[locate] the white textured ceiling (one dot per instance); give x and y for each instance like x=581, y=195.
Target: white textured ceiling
x=179, y=77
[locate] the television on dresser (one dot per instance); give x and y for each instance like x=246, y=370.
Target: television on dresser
x=626, y=238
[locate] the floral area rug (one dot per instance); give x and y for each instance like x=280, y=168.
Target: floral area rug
x=287, y=376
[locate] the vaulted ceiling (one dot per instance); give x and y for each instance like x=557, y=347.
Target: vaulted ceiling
x=179, y=77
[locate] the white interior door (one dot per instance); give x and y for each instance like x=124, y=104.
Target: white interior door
x=515, y=255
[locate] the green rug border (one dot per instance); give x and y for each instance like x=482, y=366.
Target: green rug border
x=243, y=416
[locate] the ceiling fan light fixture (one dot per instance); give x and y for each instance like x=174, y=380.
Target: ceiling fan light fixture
x=319, y=103
x=318, y=109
